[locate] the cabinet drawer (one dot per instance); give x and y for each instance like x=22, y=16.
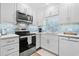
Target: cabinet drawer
x=9, y=49
x=9, y=41
x=14, y=54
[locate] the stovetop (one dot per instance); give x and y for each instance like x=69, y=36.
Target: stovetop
x=24, y=33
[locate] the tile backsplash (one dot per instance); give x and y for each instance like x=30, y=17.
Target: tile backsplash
x=69, y=28
x=33, y=28
x=7, y=28
x=52, y=24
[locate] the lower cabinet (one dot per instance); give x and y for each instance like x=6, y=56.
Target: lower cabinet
x=50, y=42
x=53, y=43
x=60, y=45
x=38, y=41
x=9, y=46
x=6, y=50
x=68, y=46
x=16, y=53
x=44, y=41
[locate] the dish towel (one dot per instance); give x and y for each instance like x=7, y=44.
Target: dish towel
x=29, y=40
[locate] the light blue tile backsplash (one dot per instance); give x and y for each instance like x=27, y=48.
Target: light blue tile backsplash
x=33, y=28
x=9, y=28
x=70, y=28
x=53, y=24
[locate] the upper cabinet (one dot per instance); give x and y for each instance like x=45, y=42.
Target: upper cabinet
x=51, y=11
x=8, y=13
x=69, y=13
x=24, y=8
x=74, y=13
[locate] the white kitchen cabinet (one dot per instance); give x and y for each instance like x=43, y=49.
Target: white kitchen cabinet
x=24, y=8
x=63, y=13
x=9, y=45
x=68, y=46
x=51, y=11
x=8, y=13
x=69, y=13
x=21, y=7
x=50, y=42
x=14, y=54
x=44, y=41
x=74, y=13
x=53, y=43
x=9, y=49
x=38, y=41
x=29, y=11
x=9, y=41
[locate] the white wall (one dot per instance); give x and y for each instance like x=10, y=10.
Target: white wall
x=24, y=8
x=38, y=18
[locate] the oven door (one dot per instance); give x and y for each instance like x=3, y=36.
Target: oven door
x=31, y=41
x=27, y=42
x=23, y=44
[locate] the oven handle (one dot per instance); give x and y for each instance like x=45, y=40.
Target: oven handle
x=23, y=36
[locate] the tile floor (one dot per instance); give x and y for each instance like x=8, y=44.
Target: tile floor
x=42, y=52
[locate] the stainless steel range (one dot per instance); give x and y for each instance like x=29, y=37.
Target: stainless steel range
x=27, y=41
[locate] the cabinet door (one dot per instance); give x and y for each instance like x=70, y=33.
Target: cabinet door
x=21, y=7
x=74, y=13
x=53, y=43
x=44, y=41
x=68, y=47
x=8, y=12
x=63, y=13
x=38, y=42
x=69, y=13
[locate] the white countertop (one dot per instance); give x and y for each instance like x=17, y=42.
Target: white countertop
x=65, y=35
x=53, y=33
x=9, y=35
x=61, y=34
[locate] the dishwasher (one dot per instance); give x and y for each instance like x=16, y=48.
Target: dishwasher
x=68, y=46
